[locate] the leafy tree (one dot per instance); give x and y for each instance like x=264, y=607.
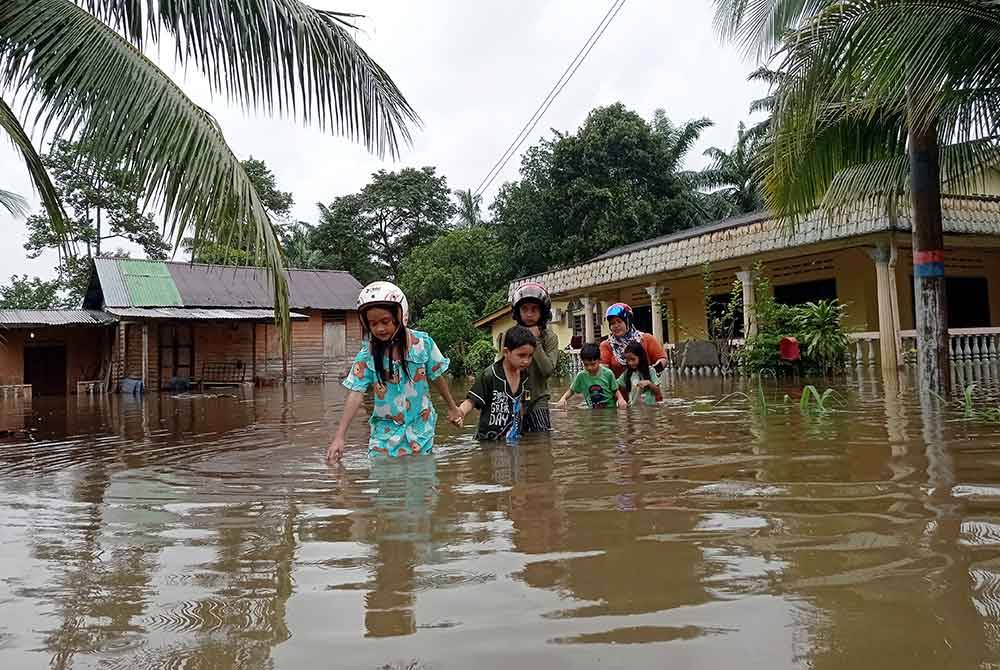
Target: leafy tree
x=467, y=265
x=469, y=208
x=449, y=322
x=733, y=173
x=342, y=241
x=102, y=202
x=81, y=68
x=613, y=182
x=876, y=99
x=297, y=242
x=238, y=249
x=34, y=293
x=392, y=215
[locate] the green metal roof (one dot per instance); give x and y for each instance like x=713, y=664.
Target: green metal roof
x=149, y=284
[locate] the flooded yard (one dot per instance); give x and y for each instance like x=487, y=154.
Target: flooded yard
x=207, y=532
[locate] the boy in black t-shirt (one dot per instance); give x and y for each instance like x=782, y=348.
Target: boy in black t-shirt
x=501, y=391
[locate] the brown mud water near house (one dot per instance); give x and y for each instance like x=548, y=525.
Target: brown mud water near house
x=207, y=532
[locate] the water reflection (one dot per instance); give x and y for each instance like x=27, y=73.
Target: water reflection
x=207, y=532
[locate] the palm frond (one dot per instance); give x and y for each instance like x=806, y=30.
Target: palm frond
x=275, y=55
x=10, y=125
x=13, y=203
x=86, y=81
x=757, y=26
x=684, y=137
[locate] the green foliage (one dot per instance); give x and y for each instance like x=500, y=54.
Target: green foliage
x=449, y=322
x=724, y=321
x=496, y=300
x=466, y=264
x=480, y=355
x=818, y=327
x=615, y=181
x=733, y=174
x=974, y=412
x=102, y=201
x=469, y=208
x=240, y=250
x=24, y=293
x=82, y=71
x=821, y=332
x=814, y=403
x=341, y=239
x=855, y=79
x=297, y=242
x=392, y=215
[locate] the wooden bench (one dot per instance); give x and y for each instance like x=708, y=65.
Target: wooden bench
x=222, y=374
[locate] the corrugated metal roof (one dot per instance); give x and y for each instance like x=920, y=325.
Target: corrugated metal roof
x=149, y=283
x=222, y=286
x=142, y=283
x=112, y=285
x=38, y=318
x=196, y=313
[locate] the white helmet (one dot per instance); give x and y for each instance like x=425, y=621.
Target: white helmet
x=384, y=293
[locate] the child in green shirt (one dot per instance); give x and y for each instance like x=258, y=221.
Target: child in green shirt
x=595, y=382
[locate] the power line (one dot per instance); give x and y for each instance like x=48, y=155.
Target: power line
x=553, y=93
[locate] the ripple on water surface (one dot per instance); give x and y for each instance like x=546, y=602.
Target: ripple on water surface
x=208, y=532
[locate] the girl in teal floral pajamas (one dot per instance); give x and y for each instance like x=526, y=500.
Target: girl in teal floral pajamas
x=399, y=365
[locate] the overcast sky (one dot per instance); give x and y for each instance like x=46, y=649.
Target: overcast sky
x=475, y=71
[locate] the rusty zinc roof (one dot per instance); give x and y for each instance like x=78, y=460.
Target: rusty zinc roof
x=132, y=283
x=198, y=313
x=39, y=318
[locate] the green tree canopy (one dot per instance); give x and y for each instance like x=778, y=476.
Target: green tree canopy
x=467, y=265
x=733, y=174
x=103, y=202
x=371, y=232
x=34, y=293
x=615, y=181
x=449, y=322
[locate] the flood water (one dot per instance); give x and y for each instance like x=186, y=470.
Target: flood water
x=195, y=532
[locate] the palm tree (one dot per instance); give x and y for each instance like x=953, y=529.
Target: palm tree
x=680, y=139
x=469, y=208
x=733, y=173
x=81, y=70
x=880, y=98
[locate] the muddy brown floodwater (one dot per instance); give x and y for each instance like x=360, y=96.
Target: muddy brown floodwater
x=207, y=532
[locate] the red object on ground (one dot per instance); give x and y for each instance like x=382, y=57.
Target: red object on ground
x=789, y=349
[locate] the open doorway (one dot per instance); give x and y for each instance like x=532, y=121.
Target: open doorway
x=45, y=369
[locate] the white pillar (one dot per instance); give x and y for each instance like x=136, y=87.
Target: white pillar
x=888, y=312
x=588, y=319
x=657, y=311
x=745, y=278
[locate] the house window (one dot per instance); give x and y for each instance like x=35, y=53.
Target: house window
x=176, y=352
x=968, y=302
x=807, y=291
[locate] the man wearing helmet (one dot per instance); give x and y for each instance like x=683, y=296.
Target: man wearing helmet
x=399, y=365
x=532, y=308
x=623, y=332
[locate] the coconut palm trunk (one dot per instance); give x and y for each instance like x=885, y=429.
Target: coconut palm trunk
x=929, y=293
